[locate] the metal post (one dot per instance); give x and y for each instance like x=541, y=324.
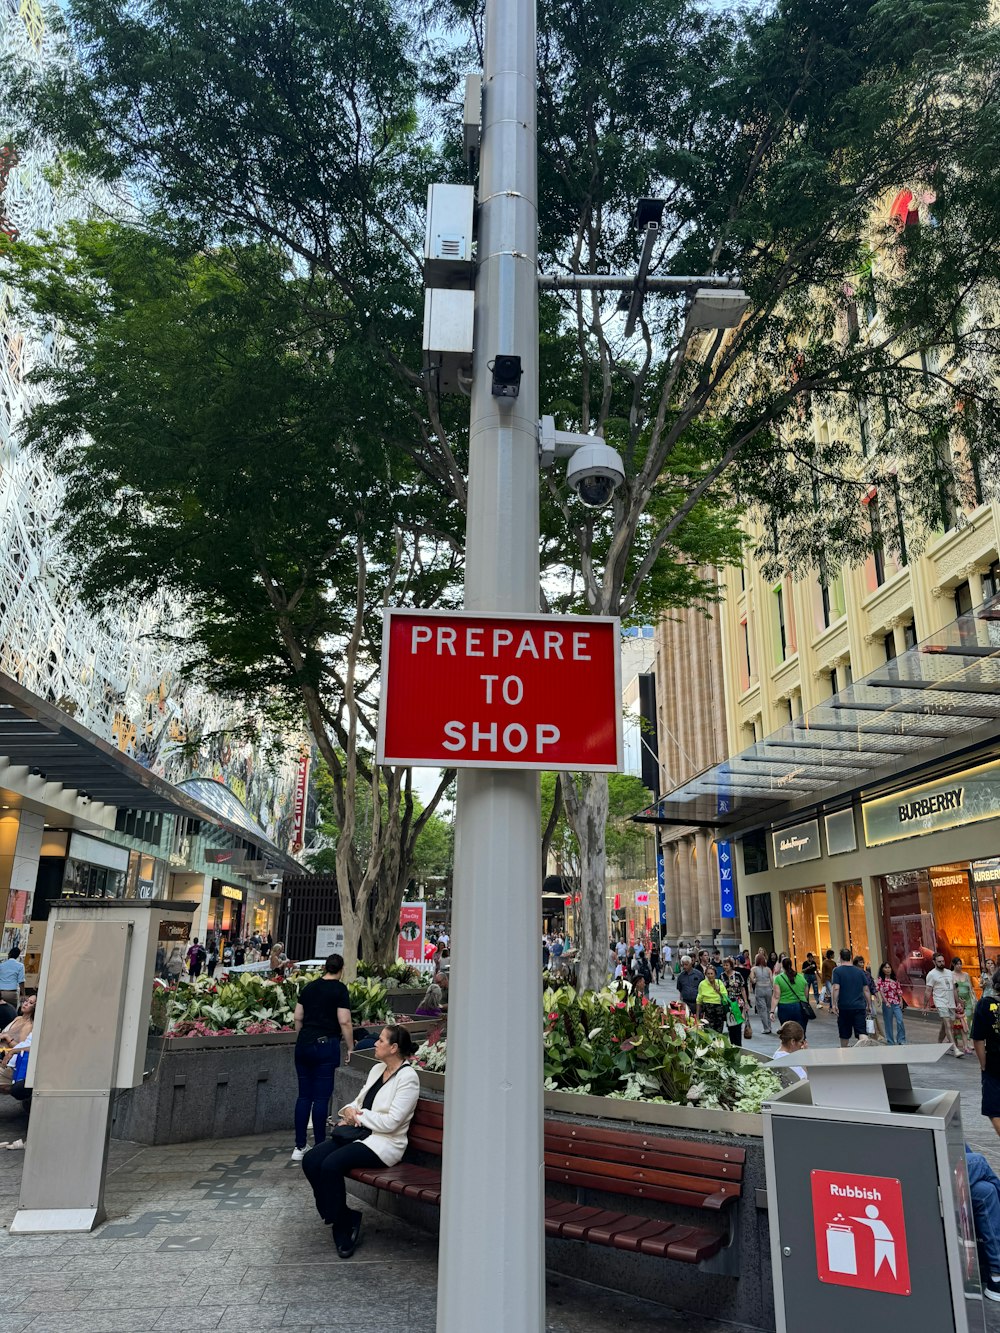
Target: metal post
x=491, y=1272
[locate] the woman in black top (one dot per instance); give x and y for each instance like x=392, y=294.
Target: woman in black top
x=322, y=1016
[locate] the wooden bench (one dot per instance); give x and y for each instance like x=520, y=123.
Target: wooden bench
x=621, y=1162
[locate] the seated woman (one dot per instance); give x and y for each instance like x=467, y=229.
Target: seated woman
x=16, y=1031
x=382, y=1111
x=431, y=1005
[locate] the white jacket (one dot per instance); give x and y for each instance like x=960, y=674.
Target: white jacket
x=391, y=1112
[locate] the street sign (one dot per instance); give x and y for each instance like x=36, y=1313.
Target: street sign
x=482, y=691
x=412, y=922
x=860, y=1232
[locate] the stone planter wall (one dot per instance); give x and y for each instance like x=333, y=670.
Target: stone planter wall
x=211, y=1088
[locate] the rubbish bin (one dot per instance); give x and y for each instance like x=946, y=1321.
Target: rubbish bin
x=868, y=1199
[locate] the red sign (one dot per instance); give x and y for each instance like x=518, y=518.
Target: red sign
x=642, y=899
x=411, y=932
x=301, y=787
x=471, y=691
x=860, y=1232
x=618, y=902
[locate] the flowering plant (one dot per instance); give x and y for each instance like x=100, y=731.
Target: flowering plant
x=610, y=1044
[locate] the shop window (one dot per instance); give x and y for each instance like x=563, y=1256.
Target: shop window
x=807, y=923
x=852, y=903
x=824, y=593
x=925, y=912
x=910, y=635
x=963, y=599
x=889, y=645
x=755, y=852
x=991, y=580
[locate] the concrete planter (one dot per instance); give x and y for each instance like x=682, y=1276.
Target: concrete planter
x=405, y=999
x=211, y=1088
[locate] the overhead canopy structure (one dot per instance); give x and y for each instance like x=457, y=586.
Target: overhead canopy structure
x=936, y=700
x=44, y=740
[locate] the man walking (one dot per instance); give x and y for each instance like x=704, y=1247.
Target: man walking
x=195, y=958
x=852, y=1000
x=941, y=989
x=12, y=978
x=689, y=978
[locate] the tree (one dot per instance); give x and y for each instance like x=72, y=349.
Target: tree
x=777, y=135
x=774, y=132
x=219, y=442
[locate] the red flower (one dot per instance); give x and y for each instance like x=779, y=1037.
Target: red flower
x=614, y=1039
x=644, y=1002
x=553, y=1016
x=620, y=1004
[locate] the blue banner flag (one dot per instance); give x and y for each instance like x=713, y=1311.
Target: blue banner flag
x=727, y=892
x=661, y=888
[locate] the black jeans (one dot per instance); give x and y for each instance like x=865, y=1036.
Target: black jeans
x=316, y=1066
x=326, y=1166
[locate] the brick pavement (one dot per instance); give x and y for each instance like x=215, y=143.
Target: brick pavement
x=223, y=1235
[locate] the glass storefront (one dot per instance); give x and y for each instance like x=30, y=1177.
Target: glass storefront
x=935, y=910
x=807, y=920
x=852, y=905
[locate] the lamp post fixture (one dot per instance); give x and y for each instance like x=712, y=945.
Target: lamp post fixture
x=491, y=1269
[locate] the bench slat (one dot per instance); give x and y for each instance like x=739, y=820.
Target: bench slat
x=618, y=1172
x=658, y=1193
x=652, y=1143
x=636, y=1156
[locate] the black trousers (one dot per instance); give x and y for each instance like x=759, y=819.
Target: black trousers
x=326, y=1166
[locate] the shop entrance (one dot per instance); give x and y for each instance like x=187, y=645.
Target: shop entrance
x=807, y=923
x=851, y=895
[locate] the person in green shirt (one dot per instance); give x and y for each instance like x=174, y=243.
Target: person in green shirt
x=712, y=1000
x=789, y=995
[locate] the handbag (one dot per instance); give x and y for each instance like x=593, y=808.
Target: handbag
x=870, y=1026
x=342, y=1135
x=747, y=1030
x=807, y=1010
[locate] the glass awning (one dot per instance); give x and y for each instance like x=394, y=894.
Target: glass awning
x=936, y=694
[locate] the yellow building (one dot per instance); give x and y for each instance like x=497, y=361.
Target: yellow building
x=860, y=803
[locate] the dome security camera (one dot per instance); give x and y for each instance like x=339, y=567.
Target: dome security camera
x=595, y=471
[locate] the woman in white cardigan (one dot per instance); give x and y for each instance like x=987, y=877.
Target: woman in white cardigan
x=381, y=1112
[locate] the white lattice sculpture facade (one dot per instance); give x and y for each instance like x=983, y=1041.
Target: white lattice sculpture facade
x=110, y=675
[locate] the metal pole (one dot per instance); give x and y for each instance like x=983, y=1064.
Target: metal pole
x=620, y=282
x=491, y=1270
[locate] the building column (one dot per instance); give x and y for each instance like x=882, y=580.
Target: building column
x=19, y=874
x=705, y=880
x=682, y=852
x=873, y=920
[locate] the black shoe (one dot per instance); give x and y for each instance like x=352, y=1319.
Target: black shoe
x=345, y=1248
x=991, y=1289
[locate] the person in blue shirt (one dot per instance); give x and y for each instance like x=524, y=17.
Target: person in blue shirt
x=12, y=977
x=852, y=1000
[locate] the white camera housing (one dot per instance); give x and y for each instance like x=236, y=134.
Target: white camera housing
x=595, y=472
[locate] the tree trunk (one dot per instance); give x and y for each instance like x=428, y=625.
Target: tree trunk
x=352, y=938
x=586, y=797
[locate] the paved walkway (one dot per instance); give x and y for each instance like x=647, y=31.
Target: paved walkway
x=223, y=1235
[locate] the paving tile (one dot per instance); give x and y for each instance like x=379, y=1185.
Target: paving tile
x=260, y=1316
x=233, y=1293
x=187, y=1316
x=152, y=1294
x=172, y=1244
x=239, y=1205
x=96, y=1321
x=42, y=1302
x=12, y=1322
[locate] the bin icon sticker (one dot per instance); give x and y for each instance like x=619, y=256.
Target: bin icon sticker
x=860, y=1232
